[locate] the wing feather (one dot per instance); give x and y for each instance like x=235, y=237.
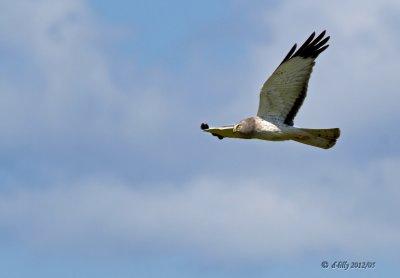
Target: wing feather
x=285, y=90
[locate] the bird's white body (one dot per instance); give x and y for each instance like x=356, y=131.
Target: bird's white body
x=274, y=131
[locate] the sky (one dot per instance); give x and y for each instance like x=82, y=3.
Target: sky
x=104, y=171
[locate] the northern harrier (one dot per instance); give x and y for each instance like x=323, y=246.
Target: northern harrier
x=281, y=97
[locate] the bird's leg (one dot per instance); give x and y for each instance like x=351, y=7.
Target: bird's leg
x=217, y=135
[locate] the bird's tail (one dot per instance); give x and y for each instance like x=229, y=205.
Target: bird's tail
x=321, y=138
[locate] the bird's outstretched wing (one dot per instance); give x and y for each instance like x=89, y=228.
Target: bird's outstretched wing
x=285, y=90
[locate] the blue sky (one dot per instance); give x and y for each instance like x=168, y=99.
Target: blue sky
x=104, y=171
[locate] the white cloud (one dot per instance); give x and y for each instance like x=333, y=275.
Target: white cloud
x=220, y=219
x=63, y=84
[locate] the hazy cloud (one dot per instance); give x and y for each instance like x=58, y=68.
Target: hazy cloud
x=63, y=84
x=230, y=219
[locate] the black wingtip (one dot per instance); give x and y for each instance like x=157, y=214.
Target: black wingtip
x=311, y=37
x=319, y=51
x=311, y=48
x=204, y=126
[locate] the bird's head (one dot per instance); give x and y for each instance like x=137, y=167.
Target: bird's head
x=245, y=127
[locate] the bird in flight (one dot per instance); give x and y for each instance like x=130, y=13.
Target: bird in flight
x=281, y=97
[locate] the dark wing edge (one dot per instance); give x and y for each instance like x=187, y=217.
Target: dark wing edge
x=296, y=106
x=311, y=48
